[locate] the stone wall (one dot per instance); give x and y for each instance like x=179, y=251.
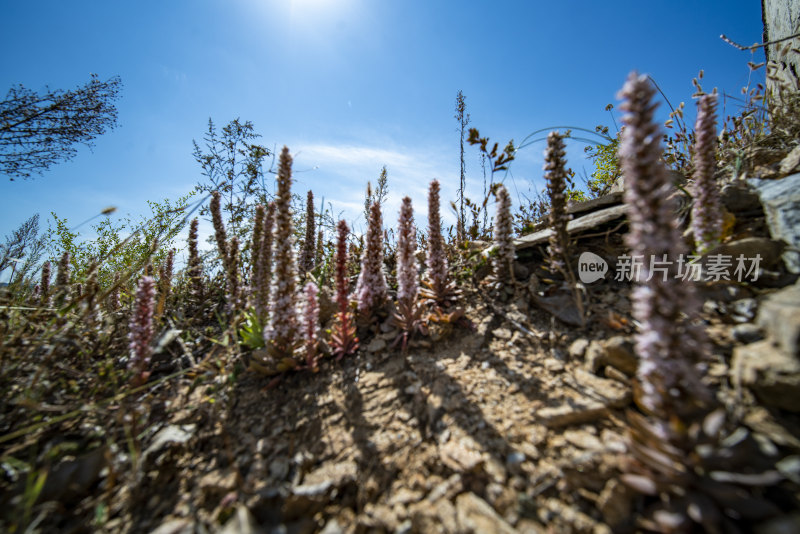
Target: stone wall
x=782, y=19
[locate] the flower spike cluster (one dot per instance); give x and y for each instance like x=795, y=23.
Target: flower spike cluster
x=436, y=261
x=504, y=260
x=407, y=286
x=62, y=278
x=262, y=272
x=309, y=253
x=141, y=328
x=44, y=288
x=283, y=323
x=706, y=210
x=668, y=345
x=343, y=338
x=556, y=176
x=311, y=324
x=219, y=227
x=371, y=285
x=256, y=240
x=194, y=268
x=409, y=313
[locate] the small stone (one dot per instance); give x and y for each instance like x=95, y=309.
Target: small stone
x=615, y=374
x=574, y=413
x=613, y=441
x=762, y=421
x=242, y=522
x=791, y=162
x=174, y=526
x=438, y=517
x=616, y=351
x=781, y=202
x=738, y=198
x=747, y=333
x=583, y=439
x=771, y=374
x=615, y=503
x=279, y=468
x=779, y=316
x=502, y=333
x=620, y=354
x=171, y=435
x=578, y=348
x=790, y=468
x=553, y=365
x=413, y=389
x=614, y=394
x=515, y=458
x=743, y=310
x=460, y=456
x=520, y=271
x=376, y=345
x=476, y=516
x=332, y=527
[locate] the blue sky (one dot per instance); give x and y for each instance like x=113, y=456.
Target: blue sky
x=348, y=85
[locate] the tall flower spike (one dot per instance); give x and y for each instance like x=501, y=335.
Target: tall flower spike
x=504, y=259
x=113, y=296
x=141, y=328
x=194, y=268
x=437, y=262
x=311, y=324
x=282, y=329
x=219, y=228
x=165, y=274
x=556, y=176
x=234, y=282
x=256, y=241
x=707, y=210
x=407, y=286
x=371, y=285
x=343, y=338
x=318, y=259
x=44, y=287
x=62, y=279
x=668, y=345
x=263, y=273
x=309, y=252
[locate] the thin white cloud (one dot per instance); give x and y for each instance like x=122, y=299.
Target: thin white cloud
x=341, y=173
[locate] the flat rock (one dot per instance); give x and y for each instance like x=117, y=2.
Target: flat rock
x=771, y=374
x=578, y=348
x=583, y=439
x=611, y=199
x=779, y=316
x=739, y=198
x=575, y=226
x=476, y=516
x=616, y=352
x=169, y=436
x=572, y=413
x=781, y=202
x=611, y=392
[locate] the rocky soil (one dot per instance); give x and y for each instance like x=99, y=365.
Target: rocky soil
x=513, y=421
